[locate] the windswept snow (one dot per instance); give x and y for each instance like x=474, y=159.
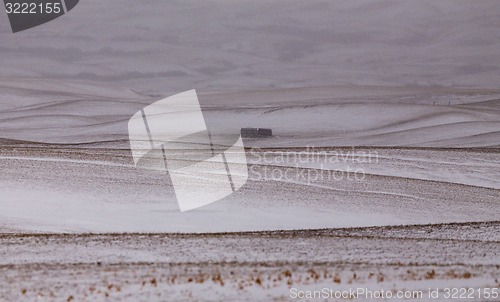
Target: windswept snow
x=76, y=113
x=66, y=164
x=414, y=84
x=99, y=190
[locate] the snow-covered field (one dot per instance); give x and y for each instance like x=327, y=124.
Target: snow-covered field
x=394, y=105
x=66, y=164
x=86, y=112
x=66, y=168
x=258, y=266
x=67, y=172
x=96, y=190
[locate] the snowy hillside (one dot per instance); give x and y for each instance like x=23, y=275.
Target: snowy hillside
x=171, y=46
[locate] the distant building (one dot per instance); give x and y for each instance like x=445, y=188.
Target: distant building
x=256, y=132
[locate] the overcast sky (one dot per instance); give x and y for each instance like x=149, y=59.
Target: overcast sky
x=160, y=45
